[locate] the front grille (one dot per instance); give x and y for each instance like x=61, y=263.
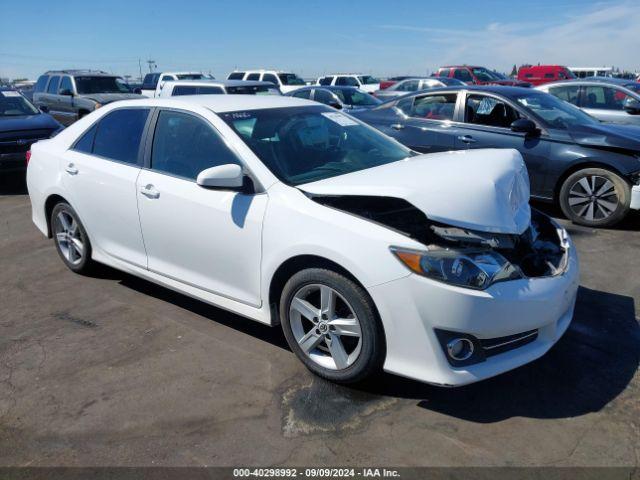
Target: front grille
x=495, y=346
x=21, y=141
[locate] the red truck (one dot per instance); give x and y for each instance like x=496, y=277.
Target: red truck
x=474, y=75
x=540, y=74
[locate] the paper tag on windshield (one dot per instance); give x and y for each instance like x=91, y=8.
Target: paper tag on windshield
x=340, y=119
x=9, y=93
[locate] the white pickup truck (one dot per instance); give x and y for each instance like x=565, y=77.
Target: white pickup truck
x=152, y=83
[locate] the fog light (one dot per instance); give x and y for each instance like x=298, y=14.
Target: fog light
x=460, y=349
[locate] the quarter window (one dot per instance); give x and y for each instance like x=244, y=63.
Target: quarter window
x=85, y=144
x=41, y=83
x=435, y=107
x=119, y=134
x=184, y=145
x=53, y=85
x=236, y=76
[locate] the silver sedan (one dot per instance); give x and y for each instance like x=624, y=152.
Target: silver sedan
x=609, y=102
x=415, y=84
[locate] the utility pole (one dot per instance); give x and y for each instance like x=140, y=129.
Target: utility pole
x=152, y=65
x=140, y=68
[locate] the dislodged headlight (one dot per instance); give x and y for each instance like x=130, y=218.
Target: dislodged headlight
x=465, y=268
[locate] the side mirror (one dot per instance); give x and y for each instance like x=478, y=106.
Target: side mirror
x=137, y=90
x=631, y=106
x=66, y=92
x=336, y=105
x=44, y=109
x=524, y=125
x=227, y=176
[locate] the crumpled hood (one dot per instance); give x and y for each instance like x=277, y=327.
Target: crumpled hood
x=105, y=98
x=607, y=135
x=485, y=190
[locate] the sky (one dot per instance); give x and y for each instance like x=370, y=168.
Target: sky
x=310, y=38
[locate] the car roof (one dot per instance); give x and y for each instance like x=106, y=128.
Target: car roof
x=463, y=66
x=220, y=103
x=220, y=83
x=590, y=82
x=83, y=73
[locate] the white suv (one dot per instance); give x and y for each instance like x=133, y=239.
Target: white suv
x=366, y=83
x=286, y=81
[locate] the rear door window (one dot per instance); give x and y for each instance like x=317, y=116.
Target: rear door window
x=463, y=75
x=302, y=94
x=347, y=81
x=435, y=107
x=325, y=80
x=270, y=77
x=253, y=76
x=568, y=93
x=53, y=85
x=236, y=76
x=119, y=134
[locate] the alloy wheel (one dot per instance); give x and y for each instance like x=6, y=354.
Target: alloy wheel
x=593, y=198
x=325, y=326
x=69, y=237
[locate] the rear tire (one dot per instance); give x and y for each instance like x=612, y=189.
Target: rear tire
x=595, y=197
x=331, y=324
x=71, y=239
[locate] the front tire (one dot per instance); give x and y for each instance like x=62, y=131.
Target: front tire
x=595, y=197
x=71, y=239
x=331, y=324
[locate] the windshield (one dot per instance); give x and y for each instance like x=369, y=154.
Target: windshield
x=12, y=104
x=87, y=85
x=555, y=112
x=191, y=76
x=484, y=75
x=305, y=144
x=368, y=80
x=356, y=98
x=290, y=79
x=253, y=90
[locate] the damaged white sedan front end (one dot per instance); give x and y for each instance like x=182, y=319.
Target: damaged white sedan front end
x=493, y=283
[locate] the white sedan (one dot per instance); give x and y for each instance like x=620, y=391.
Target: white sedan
x=368, y=255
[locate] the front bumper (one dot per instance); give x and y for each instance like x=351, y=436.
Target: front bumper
x=13, y=162
x=635, y=197
x=412, y=308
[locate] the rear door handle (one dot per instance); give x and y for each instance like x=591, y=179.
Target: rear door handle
x=467, y=139
x=149, y=191
x=71, y=169
x=397, y=126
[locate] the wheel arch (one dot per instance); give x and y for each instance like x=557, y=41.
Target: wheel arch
x=49, y=204
x=586, y=163
x=298, y=263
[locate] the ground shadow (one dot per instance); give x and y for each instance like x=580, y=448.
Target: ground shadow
x=590, y=366
x=13, y=183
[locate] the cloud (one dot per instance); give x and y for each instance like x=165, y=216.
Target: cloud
x=605, y=35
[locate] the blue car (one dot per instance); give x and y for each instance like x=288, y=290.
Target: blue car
x=21, y=124
x=343, y=98
x=592, y=170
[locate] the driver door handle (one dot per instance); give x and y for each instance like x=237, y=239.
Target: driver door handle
x=71, y=169
x=397, y=126
x=149, y=191
x=467, y=139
